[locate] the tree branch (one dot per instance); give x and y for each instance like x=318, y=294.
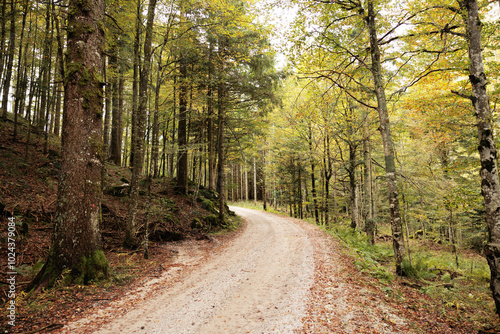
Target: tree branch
x=465, y=96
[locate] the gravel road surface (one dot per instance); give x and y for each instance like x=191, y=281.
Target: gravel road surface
x=259, y=283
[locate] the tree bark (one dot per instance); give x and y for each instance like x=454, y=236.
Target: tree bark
x=138, y=161
x=20, y=85
x=77, y=239
x=328, y=169
x=353, y=186
x=212, y=184
x=10, y=61
x=155, y=151
x=108, y=105
x=385, y=131
x=116, y=111
x=313, y=176
x=370, y=225
x=263, y=181
x=135, y=83
x=221, y=181
x=254, y=182
x=490, y=185
x=368, y=174
x=61, y=74
x=45, y=69
x=182, y=137
x=2, y=37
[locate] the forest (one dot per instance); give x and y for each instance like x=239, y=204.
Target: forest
x=376, y=116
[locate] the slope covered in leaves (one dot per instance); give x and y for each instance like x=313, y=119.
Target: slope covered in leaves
x=28, y=191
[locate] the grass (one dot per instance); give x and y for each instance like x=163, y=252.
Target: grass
x=233, y=223
x=247, y=205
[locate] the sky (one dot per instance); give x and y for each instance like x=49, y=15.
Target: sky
x=280, y=17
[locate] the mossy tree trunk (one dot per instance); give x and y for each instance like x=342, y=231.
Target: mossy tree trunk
x=77, y=240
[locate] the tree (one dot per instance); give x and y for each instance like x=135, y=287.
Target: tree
x=10, y=58
x=138, y=161
x=490, y=184
x=77, y=240
x=385, y=131
x=351, y=59
x=470, y=31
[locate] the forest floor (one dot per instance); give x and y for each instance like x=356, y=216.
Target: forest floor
x=321, y=290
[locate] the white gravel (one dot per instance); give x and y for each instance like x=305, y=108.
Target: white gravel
x=259, y=283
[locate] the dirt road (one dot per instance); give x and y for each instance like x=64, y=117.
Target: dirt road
x=256, y=284
x=279, y=275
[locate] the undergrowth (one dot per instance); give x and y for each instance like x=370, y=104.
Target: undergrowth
x=458, y=293
x=368, y=257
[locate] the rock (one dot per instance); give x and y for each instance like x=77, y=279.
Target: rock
x=118, y=191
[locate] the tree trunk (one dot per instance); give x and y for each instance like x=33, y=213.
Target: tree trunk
x=368, y=175
x=108, y=106
x=490, y=185
x=299, y=191
x=60, y=57
x=135, y=83
x=370, y=224
x=2, y=38
x=20, y=85
x=254, y=182
x=45, y=72
x=327, y=162
x=174, y=117
x=155, y=151
x=210, y=124
x=138, y=161
x=221, y=186
x=263, y=182
x=10, y=61
x=116, y=111
x=46, y=84
x=313, y=176
x=77, y=239
x=353, y=186
x=246, y=180
x=385, y=131
x=182, y=136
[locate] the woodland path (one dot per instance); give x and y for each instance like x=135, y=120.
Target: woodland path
x=277, y=276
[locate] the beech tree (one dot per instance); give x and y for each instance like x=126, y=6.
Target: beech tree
x=490, y=184
x=362, y=21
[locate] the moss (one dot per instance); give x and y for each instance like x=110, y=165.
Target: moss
x=92, y=268
x=197, y=224
x=73, y=68
x=212, y=220
x=98, y=146
x=208, y=205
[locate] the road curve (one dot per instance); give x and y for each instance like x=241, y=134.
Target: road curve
x=259, y=283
